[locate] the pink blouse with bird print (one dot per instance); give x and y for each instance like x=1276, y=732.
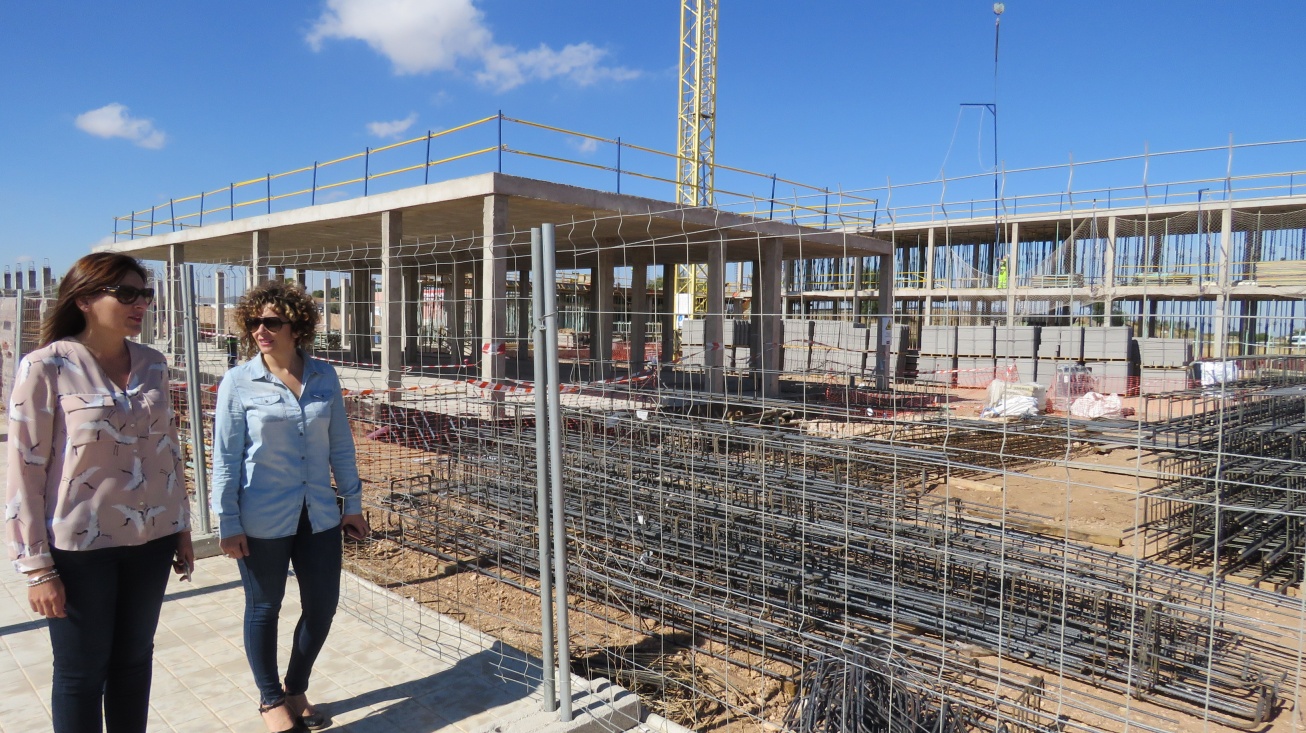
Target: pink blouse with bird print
x=90, y=465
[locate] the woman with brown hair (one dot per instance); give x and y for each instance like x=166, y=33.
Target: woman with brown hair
x=280, y=435
x=96, y=506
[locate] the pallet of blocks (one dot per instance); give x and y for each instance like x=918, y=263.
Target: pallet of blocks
x=1107, y=352
x=694, y=346
x=937, y=363
x=1164, y=364
x=1018, y=346
x=797, y=345
x=976, y=349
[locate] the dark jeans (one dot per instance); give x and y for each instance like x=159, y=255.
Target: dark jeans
x=104, y=648
x=316, y=558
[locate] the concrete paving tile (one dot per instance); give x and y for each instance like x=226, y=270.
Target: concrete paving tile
x=26, y=721
x=179, y=707
x=19, y=698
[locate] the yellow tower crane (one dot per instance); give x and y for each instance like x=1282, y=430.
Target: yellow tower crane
x=695, y=148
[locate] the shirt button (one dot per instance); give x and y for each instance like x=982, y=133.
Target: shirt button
x=304, y=483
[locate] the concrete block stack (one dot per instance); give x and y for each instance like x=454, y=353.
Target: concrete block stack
x=937, y=363
x=1163, y=364
x=797, y=345
x=738, y=336
x=735, y=335
x=976, y=347
x=1018, y=345
x=691, y=342
x=1106, y=353
x=829, y=347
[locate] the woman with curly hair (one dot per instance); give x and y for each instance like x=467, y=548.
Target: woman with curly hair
x=280, y=434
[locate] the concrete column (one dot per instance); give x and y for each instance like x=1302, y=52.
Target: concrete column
x=639, y=312
x=477, y=304
x=362, y=301
x=301, y=277
x=768, y=318
x=412, y=298
x=523, y=314
x=1221, y=326
x=492, y=301
x=883, y=370
x=176, y=257
x=668, y=313
x=714, y=319
x=258, y=260
x=929, y=275
x=1013, y=261
x=326, y=310
x=602, y=283
x=392, y=303
x=859, y=269
x=1110, y=265
x=219, y=305
x=456, y=310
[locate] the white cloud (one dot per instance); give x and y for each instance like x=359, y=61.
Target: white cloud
x=584, y=145
x=391, y=129
x=112, y=120
x=421, y=36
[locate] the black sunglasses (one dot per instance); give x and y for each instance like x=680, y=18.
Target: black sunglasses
x=129, y=294
x=271, y=324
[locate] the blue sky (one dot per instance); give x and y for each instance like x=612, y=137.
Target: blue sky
x=111, y=107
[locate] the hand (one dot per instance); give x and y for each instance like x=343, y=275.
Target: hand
x=234, y=547
x=355, y=526
x=184, y=561
x=47, y=599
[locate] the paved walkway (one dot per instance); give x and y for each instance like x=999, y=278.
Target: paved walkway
x=389, y=665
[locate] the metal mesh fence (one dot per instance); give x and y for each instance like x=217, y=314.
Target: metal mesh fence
x=772, y=523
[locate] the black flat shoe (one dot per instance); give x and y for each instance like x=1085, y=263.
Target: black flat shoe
x=295, y=727
x=315, y=720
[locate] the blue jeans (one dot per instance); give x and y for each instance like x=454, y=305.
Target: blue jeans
x=316, y=558
x=104, y=647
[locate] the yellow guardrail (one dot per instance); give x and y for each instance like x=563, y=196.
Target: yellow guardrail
x=806, y=204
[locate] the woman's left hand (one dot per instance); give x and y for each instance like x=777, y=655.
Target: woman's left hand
x=355, y=526
x=184, y=560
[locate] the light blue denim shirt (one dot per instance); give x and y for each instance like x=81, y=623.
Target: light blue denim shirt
x=273, y=453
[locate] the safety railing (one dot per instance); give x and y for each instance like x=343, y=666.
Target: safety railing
x=505, y=145
x=1025, y=191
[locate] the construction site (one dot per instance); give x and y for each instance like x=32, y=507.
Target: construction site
x=804, y=462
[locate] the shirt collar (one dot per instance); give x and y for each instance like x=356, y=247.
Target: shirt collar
x=260, y=370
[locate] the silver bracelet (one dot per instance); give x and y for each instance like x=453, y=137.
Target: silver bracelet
x=43, y=578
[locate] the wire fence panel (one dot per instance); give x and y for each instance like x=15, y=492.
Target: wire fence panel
x=1055, y=484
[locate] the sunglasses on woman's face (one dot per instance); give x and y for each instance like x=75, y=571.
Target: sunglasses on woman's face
x=129, y=294
x=271, y=324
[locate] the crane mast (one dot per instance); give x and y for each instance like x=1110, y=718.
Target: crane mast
x=696, y=144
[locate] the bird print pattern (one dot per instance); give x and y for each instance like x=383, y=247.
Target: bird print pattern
x=91, y=465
